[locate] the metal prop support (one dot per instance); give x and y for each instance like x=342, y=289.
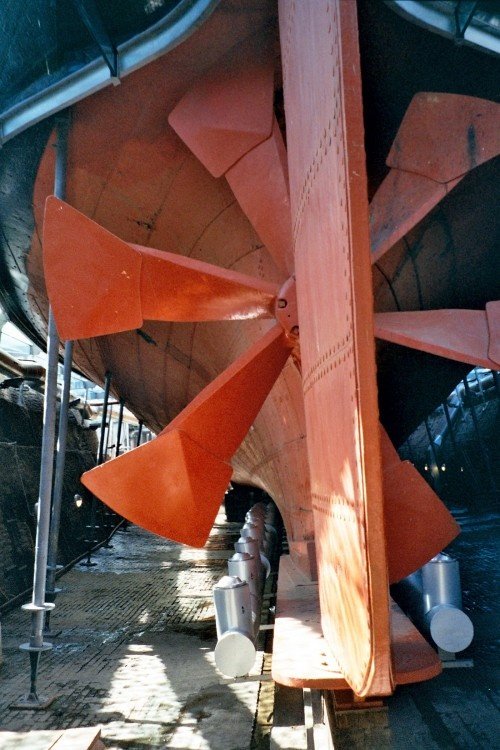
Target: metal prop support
x=125, y=523
x=55, y=521
x=118, y=442
x=91, y=526
x=119, y=428
x=109, y=514
x=38, y=606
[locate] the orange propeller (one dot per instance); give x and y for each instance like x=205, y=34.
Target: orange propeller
x=470, y=336
x=174, y=484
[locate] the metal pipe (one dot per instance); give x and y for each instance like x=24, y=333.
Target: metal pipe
x=109, y=514
x=252, y=546
x=91, y=526
x=105, y=400
x=108, y=432
x=37, y=607
x=257, y=520
x=46, y=471
x=252, y=530
x=441, y=582
x=59, y=477
x=119, y=428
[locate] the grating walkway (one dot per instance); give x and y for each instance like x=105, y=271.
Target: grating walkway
x=135, y=654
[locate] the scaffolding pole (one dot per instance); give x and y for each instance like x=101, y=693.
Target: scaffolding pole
x=92, y=526
x=55, y=520
x=38, y=606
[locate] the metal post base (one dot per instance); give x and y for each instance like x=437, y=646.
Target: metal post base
x=88, y=564
x=266, y=677
x=33, y=702
x=449, y=660
x=34, y=649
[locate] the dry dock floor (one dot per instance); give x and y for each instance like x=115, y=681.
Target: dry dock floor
x=135, y=655
x=135, y=658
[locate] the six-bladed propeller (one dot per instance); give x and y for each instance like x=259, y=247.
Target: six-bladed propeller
x=174, y=484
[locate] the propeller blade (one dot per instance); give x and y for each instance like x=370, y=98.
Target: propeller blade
x=401, y=201
x=221, y=415
x=259, y=182
x=493, y=319
x=417, y=523
x=124, y=284
x=461, y=335
x=93, y=278
x=442, y=137
x=227, y=121
x=229, y=111
x=175, y=484
x=184, y=290
x=170, y=486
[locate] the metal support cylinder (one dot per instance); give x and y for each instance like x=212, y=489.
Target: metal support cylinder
x=269, y=544
x=235, y=649
x=247, y=568
x=258, y=508
x=252, y=530
x=255, y=520
x=92, y=526
x=252, y=546
x=441, y=582
x=449, y=627
x=432, y=597
x=38, y=606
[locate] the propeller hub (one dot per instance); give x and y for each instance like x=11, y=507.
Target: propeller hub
x=286, y=308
